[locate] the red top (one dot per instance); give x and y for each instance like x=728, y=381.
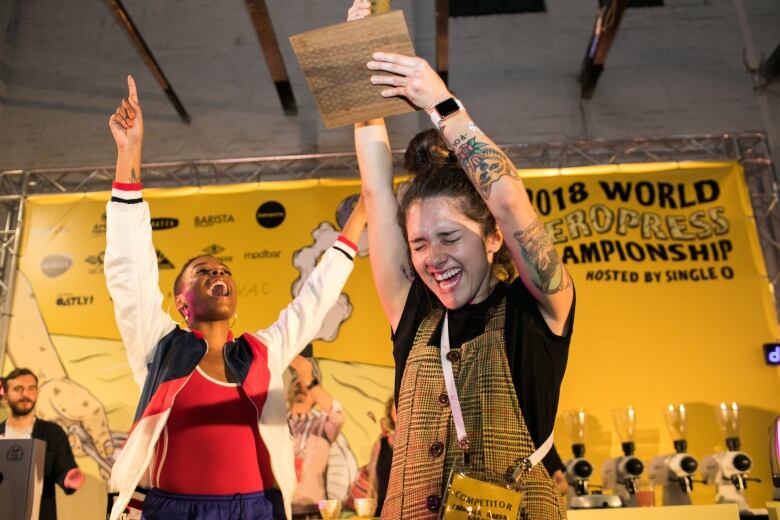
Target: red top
x=211, y=444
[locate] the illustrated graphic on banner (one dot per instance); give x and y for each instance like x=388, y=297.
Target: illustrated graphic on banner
x=60, y=399
x=665, y=259
x=305, y=259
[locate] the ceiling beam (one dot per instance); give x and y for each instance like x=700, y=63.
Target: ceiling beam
x=442, y=39
x=124, y=20
x=604, y=31
x=261, y=20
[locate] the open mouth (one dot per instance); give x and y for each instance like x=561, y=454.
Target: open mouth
x=218, y=289
x=448, y=278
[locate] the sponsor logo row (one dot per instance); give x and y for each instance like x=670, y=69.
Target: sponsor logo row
x=269, y=215
x=57, y=264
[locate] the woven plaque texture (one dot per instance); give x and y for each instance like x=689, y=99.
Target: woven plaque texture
x=334, y=60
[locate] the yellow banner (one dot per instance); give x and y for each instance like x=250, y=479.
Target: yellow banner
x=670, y=238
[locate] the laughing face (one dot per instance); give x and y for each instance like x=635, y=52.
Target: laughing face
x=208, y=292
x=450, y=252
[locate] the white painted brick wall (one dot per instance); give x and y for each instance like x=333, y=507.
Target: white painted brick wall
x=672, y=70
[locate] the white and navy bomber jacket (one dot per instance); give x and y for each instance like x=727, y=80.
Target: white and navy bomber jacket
x=162, y=356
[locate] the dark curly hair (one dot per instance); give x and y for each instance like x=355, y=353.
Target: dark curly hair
x=437, y=173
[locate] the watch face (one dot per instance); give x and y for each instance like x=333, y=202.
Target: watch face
x=447, y=107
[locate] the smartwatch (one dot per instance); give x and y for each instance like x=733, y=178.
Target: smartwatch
x=444, y=110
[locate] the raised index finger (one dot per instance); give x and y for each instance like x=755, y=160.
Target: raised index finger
x=398, y=59
x=132, y=91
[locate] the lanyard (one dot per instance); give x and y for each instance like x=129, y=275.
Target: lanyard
x=452, y=389
x=457, y=414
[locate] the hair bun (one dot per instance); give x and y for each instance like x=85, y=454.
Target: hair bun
x=427, y=151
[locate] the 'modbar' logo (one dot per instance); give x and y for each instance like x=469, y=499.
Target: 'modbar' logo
x=213, y=220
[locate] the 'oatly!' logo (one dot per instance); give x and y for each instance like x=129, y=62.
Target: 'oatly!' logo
x=213, y=220
x=55, y=265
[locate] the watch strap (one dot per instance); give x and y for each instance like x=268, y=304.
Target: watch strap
x=437, y=117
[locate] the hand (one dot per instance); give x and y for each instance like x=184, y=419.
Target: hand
x=67, y=403
x=127, y=123
x=74, y=479
x=560, y=482
x=415, y=79
x=303, y=368
x=360, y=9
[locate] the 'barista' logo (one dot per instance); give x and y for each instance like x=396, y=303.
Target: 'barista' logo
x=69, y=300
x=213, y=220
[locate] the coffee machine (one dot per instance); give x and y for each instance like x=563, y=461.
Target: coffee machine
x=728, y=470
x=774, y=457
x=675, y=471
x=621, y=473
x=579, y=469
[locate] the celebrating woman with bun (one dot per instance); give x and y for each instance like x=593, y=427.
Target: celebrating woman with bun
x=464, y=267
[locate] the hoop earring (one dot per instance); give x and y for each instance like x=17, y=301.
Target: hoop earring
x=235, y=318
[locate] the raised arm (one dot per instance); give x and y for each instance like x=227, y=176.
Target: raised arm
x=130, y=261
x=300, y=321
x=388, y=251
x=496, y=179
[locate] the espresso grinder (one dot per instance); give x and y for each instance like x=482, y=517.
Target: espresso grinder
x=579, y=469
x=728, y=470
x=620, y=474
x=675, y=471
x=774, y=457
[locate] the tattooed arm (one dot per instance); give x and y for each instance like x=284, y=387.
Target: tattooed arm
x=127, y=128
x=388, y=251
x=495, y=178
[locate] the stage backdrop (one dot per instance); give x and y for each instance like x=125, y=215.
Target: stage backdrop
x=673, y=304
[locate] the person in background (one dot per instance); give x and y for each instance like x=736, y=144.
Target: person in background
x=372, y=479
x=313, y=430
x=20, y=391
x=554, y=462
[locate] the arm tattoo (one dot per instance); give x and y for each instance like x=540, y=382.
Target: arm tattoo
x=133, y=176
x=544, y=264
x=484, y=163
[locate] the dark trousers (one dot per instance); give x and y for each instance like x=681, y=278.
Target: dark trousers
x=264, y=505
